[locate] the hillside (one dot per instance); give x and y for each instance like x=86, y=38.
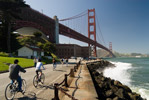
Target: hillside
x=103, y=53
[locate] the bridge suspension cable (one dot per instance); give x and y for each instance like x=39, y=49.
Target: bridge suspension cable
x=77, y=22
x=84, y=23
x=99, y=31
x=76, y=16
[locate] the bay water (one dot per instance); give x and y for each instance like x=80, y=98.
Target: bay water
x=133, y=72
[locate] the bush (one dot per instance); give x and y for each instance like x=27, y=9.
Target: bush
x=46, y=60
x=37, y=34
x=3, y=54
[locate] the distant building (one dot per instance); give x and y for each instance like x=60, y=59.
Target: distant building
x=71, y=50
x=30, y=52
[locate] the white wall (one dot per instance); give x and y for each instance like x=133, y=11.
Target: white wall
x=35, y=54
x=24, y=51
x=42, y=53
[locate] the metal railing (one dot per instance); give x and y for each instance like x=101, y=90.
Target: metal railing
x=57, y=87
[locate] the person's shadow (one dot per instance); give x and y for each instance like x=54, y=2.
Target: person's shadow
x=28, y=96
x=32, y=96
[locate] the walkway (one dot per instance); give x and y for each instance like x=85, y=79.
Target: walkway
x=81, y=86
x=44, y=93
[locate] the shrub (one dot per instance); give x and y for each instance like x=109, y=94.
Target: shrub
x=3, y=54
x=46, y=60
x=37, y=34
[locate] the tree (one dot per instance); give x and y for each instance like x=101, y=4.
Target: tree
x=9, y=12
x=37, y=34
x=47, y=47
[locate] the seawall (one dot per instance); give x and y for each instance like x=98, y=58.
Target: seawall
x=107, y=88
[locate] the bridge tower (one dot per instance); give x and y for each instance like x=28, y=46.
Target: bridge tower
x=110, y=46
x=92, y=29
x=56, y=30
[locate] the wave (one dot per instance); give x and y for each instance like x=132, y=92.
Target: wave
x=121, y=73
x=143, y=92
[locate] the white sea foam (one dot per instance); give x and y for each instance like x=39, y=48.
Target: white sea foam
x=143, y=92
x=120, y=73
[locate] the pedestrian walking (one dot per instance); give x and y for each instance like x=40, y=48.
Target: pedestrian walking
x=35, y=61
x=62, y=61
x=54, y=63
x=67, y=62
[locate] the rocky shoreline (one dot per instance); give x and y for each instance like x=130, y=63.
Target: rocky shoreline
x=107, y=88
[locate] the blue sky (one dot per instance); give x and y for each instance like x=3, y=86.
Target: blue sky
x=125, y=23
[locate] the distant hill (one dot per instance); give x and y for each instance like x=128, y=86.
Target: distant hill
x=103, y=53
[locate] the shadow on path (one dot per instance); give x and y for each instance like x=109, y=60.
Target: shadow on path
x=59, y=70
x=32, y=95
x=29, y=96
x=41, y=86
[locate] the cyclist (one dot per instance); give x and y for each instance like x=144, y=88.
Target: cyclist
x=38, y=68
x=14, y=70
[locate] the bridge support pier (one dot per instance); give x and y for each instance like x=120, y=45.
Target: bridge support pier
x=56, y=29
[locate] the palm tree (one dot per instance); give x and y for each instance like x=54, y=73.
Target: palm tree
x=9, y=12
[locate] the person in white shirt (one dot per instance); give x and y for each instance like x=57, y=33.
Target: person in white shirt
x=38, y=68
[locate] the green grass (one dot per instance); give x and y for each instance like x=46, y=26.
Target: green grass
x=23, y=62
x=3, y=67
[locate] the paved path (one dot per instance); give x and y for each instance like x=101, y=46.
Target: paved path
x=82, y=87
x=44, y=93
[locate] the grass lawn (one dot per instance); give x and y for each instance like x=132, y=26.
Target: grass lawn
x=23, y=62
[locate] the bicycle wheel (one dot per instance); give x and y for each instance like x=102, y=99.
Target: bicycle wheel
x=42, y=78
x=10, y=91
x=35, y=81
x=23, y=85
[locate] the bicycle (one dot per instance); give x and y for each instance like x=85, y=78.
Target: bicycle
x=12, y=89
x=38, y=79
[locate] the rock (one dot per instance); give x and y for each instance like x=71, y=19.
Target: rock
x=120, y=93
x=108, y=99
x=135, y=96
x=117, y=98
x=109, y=93
x=103, y=78
x=126, y=88
x=96, y=74
x=117, y=83
x=114, y=88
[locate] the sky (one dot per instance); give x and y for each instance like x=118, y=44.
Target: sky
x=125, y=23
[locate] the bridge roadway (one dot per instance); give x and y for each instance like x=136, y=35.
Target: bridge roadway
x=44, y=93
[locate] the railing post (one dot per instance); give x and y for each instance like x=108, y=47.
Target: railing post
x=71, y=73
x=74, y=68
x=56, y=92
x=66, y=80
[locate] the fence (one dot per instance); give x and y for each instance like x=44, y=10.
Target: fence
x=57, y=87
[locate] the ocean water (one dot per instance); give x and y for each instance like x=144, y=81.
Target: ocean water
x=133, y=72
